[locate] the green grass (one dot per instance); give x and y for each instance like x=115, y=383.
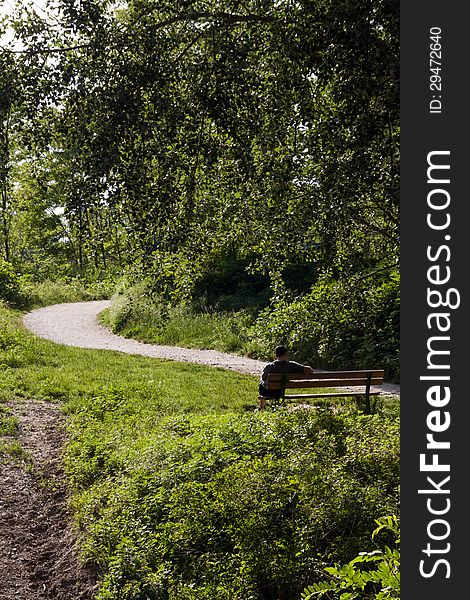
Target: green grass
x=182, y=490
x=8, y=423
x=68, y=374
x=10, y=449
x=45, y=293
x=36, y=368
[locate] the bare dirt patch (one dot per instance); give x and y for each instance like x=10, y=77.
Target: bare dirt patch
x=38, y=553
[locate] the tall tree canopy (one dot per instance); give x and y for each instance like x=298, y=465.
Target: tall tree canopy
x=192, y=127
x=180, y=138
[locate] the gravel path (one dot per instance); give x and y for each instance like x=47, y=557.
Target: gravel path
x=75, y=324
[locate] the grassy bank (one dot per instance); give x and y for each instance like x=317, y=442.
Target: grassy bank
x=181, y=490
x=132, y=315
x=333, y=327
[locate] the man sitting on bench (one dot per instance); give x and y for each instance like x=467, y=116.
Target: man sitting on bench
x=281, y=364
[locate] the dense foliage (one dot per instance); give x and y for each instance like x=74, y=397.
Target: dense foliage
x=215, y=149
x=374, y=574
x=225, y=506
x=9, y=282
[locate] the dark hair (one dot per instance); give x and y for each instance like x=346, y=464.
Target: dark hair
x=280, y=351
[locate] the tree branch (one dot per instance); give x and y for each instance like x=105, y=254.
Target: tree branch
x=228, y=19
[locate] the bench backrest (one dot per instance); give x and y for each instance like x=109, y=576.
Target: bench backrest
x=277, y=381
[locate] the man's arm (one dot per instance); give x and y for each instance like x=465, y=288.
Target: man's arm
x=298, y=368
x=266, y=370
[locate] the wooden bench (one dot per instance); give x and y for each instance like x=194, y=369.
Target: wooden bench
x=327, y=379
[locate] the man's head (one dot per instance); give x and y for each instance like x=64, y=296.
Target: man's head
x=280, y=353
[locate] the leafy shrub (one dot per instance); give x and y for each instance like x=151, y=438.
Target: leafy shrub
x=218, y=279
x=134, y=310
x=246, y=506
x=134, y=313
x=9, y=283
x=25, y=291
x=371, y=575
x=339, y=325
x=225, y=283
x=44, y=293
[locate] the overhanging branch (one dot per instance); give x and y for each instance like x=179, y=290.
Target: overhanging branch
x=228, y=20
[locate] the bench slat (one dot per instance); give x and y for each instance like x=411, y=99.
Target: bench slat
x=331, y=395
x=327, y=375
x=309, y=383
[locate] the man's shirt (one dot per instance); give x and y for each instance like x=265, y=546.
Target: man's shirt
x=281, y=366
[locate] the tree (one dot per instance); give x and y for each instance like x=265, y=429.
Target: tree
x=263, y=128
x=7, y=94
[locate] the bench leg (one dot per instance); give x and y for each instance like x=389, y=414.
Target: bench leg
x=368, y=408
x=262, y=402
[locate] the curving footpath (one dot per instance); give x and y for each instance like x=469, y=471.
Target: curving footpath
x=76, y=324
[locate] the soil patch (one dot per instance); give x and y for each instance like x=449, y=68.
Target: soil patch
x=38, y=553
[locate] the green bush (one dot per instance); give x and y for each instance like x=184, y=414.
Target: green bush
x=135, y=313
x=9, y=283
x=247, y=506
x=373, y=575
x=25, y=291
x=225, y=284
x=219, y=279
x=339, y=325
